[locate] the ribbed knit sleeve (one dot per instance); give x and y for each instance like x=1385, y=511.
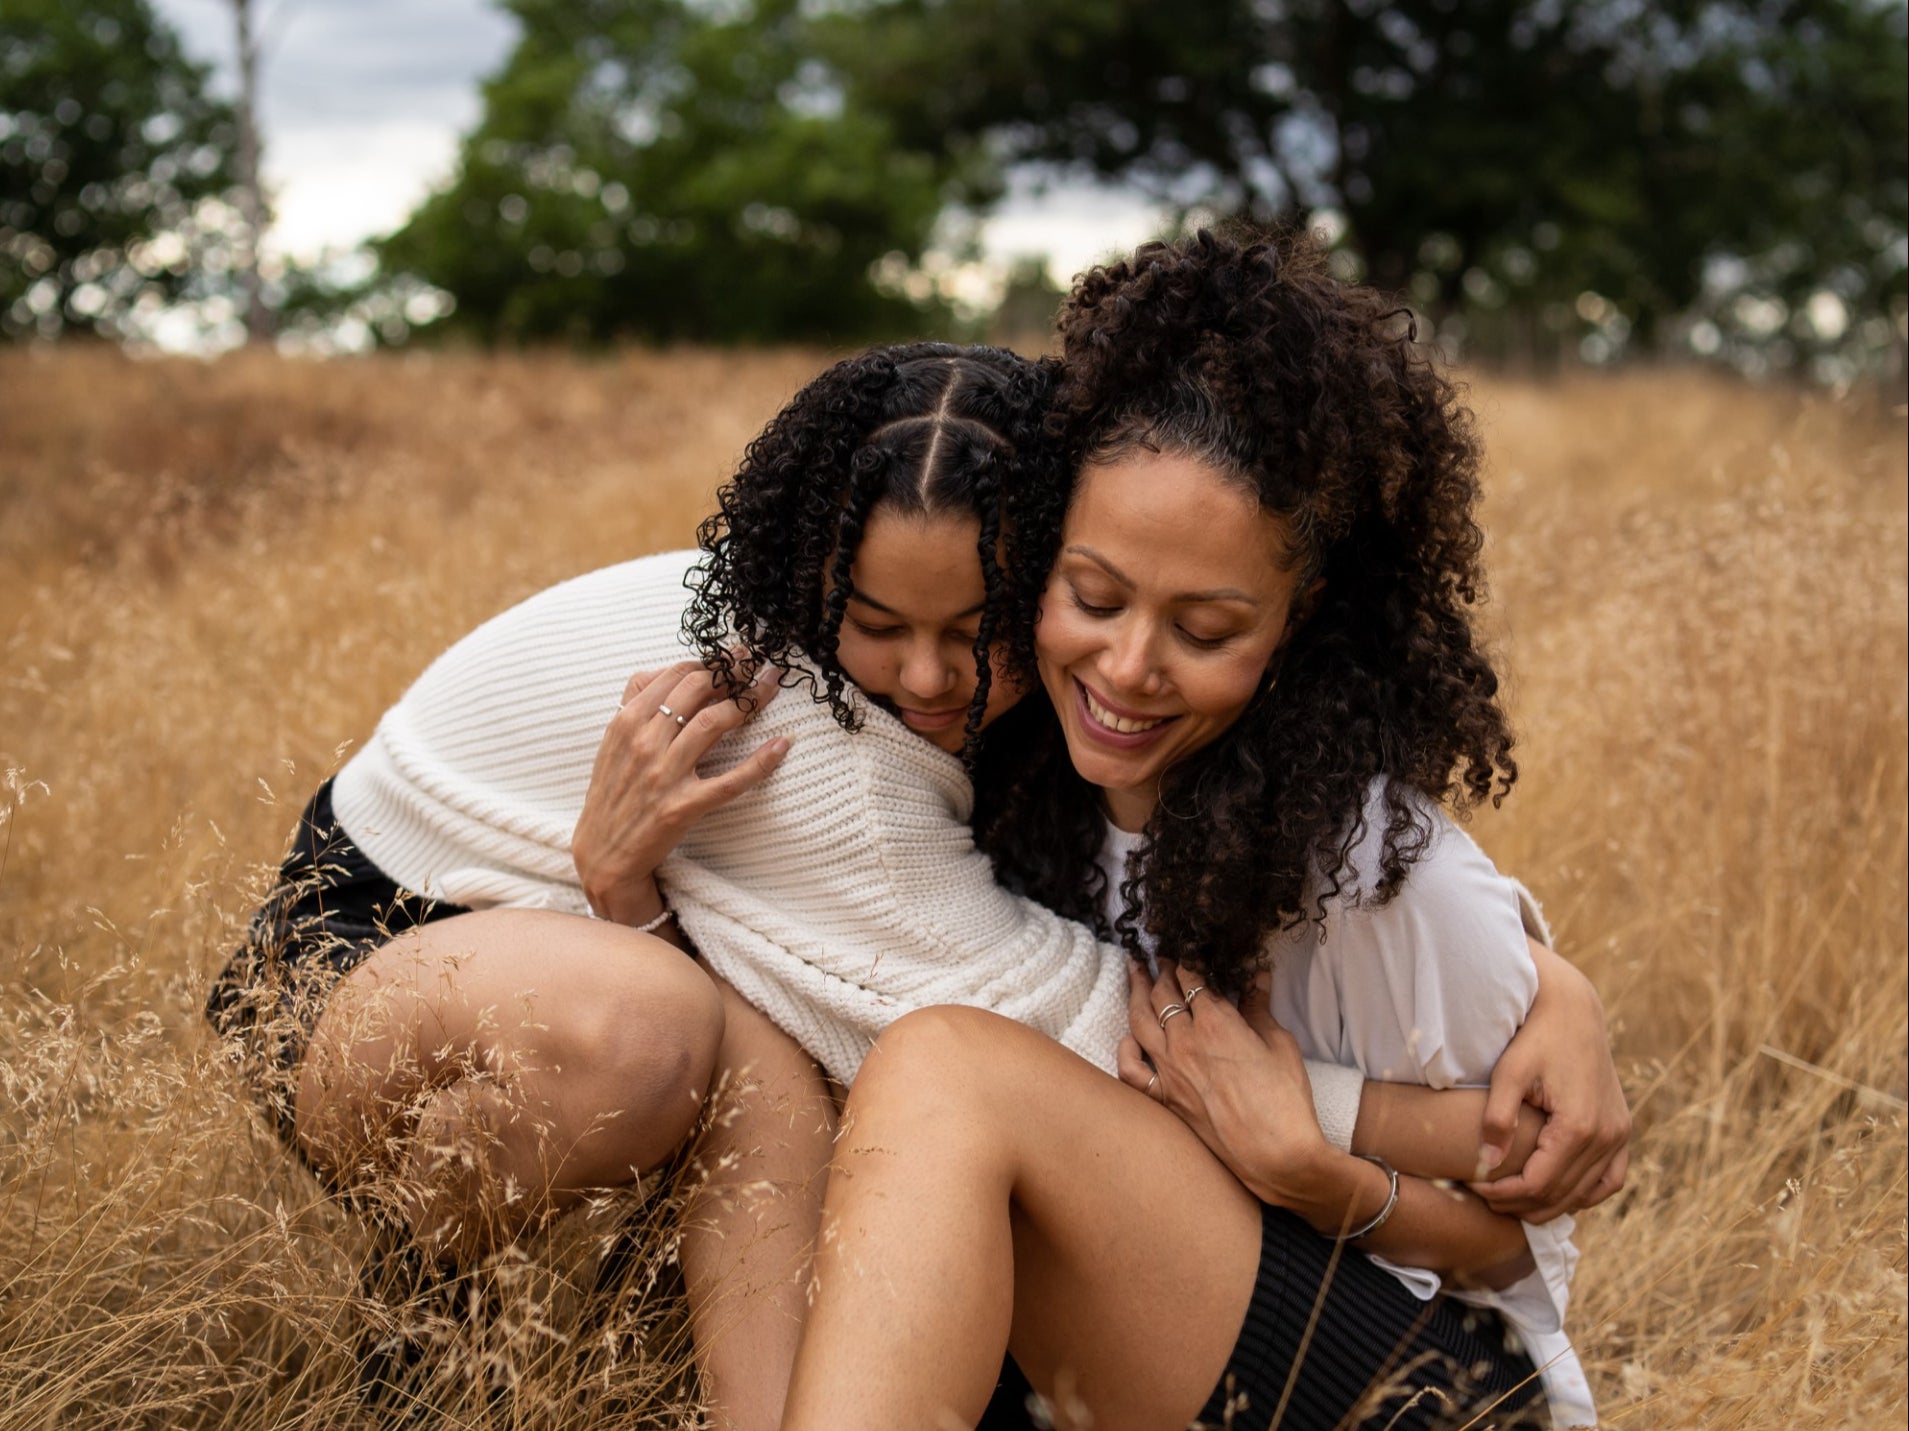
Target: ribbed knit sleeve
x=846, y=890
x=469, y=789
x=843, y=891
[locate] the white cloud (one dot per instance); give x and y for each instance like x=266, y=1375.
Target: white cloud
x=361, y=102
x=335, y=187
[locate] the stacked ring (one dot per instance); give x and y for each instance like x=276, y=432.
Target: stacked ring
x=1169, y=1011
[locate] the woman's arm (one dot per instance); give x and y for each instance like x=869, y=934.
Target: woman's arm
x=1242, y=1087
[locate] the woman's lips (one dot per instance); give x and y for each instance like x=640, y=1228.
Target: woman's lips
x=1103, y=723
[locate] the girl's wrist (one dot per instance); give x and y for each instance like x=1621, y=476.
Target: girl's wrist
x=632, y=905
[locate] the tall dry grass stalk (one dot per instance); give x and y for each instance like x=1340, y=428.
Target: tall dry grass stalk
x=217, y=576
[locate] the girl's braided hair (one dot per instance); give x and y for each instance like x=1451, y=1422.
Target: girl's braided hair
x=930, y=428
x=1312, y=395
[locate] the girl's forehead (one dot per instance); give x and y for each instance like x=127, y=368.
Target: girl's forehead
x=920, y=565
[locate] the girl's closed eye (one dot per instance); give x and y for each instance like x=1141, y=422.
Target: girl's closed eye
x=877, y=632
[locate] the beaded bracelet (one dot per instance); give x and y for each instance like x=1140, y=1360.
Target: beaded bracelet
x=668, y=914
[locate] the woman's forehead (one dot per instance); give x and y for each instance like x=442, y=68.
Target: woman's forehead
x=1167, y=520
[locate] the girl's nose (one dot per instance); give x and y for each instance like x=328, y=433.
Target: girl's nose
x=925, y=671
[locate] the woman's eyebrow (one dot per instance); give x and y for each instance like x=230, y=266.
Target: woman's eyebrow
x=887, y=610
x=1218, y=593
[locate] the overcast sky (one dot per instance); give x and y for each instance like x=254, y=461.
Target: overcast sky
x=362, y=103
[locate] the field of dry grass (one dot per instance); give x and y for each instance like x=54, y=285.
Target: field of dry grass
x=217, y=576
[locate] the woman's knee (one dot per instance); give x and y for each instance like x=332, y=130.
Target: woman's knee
x=942, y=1057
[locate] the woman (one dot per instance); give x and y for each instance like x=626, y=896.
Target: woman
x=456, y=1024
x=1257, y=642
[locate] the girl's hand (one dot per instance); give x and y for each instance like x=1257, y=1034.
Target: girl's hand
x=1238, y=1080
x=644, y=791
x=1560, y=1063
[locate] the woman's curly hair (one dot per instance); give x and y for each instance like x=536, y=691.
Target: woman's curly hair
x=930, y=428
x=1248, y=356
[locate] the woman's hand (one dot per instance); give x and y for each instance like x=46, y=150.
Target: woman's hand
x=644, y=791
x=1238, y=1080
x=1560, y=1063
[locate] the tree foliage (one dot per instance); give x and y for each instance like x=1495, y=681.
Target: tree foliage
x=1654, y=154
x=672, y=169
x=111, y=158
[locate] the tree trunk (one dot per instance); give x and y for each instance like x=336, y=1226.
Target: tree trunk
x=258, y=321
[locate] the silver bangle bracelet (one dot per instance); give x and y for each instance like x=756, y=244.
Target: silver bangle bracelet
x=1391, y=1201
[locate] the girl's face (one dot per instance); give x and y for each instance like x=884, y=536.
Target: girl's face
x=908, y=634
x=1169, y=599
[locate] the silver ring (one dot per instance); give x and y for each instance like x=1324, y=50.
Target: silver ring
x=1194, y=993
x=679, y=719
x=1153, y=1082
x=1169, y=1011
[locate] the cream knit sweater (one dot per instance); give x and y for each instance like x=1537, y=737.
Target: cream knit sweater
x=840, y=893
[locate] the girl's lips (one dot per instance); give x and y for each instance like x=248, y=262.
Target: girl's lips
x=930, y=720
x=1101, y=733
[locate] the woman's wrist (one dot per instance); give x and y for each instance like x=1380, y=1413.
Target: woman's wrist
x=1335, y=1192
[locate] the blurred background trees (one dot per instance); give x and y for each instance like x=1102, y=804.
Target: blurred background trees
x=114, y=167
x=1542, y=179
x=1522, y=170
x=667, y=169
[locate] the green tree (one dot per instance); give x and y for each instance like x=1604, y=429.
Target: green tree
x=1484, y=154
x=112, y=156
x=672, y=169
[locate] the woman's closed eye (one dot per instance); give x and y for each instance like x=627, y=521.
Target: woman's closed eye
x=1203, y=643
x=877, y=632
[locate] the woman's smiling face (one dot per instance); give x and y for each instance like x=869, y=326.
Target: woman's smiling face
x=914, y=609
x=1170, y=597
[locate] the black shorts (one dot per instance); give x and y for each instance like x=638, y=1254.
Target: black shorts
x=329, y=910
x=1375, y=1356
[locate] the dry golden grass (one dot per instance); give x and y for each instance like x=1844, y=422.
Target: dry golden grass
x=217, y=576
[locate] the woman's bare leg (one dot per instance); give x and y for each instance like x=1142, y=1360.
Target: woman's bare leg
x=500, y=1063
x=990, y=1185
x=749, y=1235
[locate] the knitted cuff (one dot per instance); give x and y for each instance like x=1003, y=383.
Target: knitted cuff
x=1336, y=1091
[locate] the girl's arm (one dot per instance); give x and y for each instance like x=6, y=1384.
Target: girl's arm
x=1560, y=1063
x=645, y=794
x=1433, y=1132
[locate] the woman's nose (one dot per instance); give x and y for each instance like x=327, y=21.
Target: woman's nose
x=1128, y=663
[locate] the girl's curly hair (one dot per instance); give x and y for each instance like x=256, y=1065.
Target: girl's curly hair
x=1248, y=356
x=931, y=428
